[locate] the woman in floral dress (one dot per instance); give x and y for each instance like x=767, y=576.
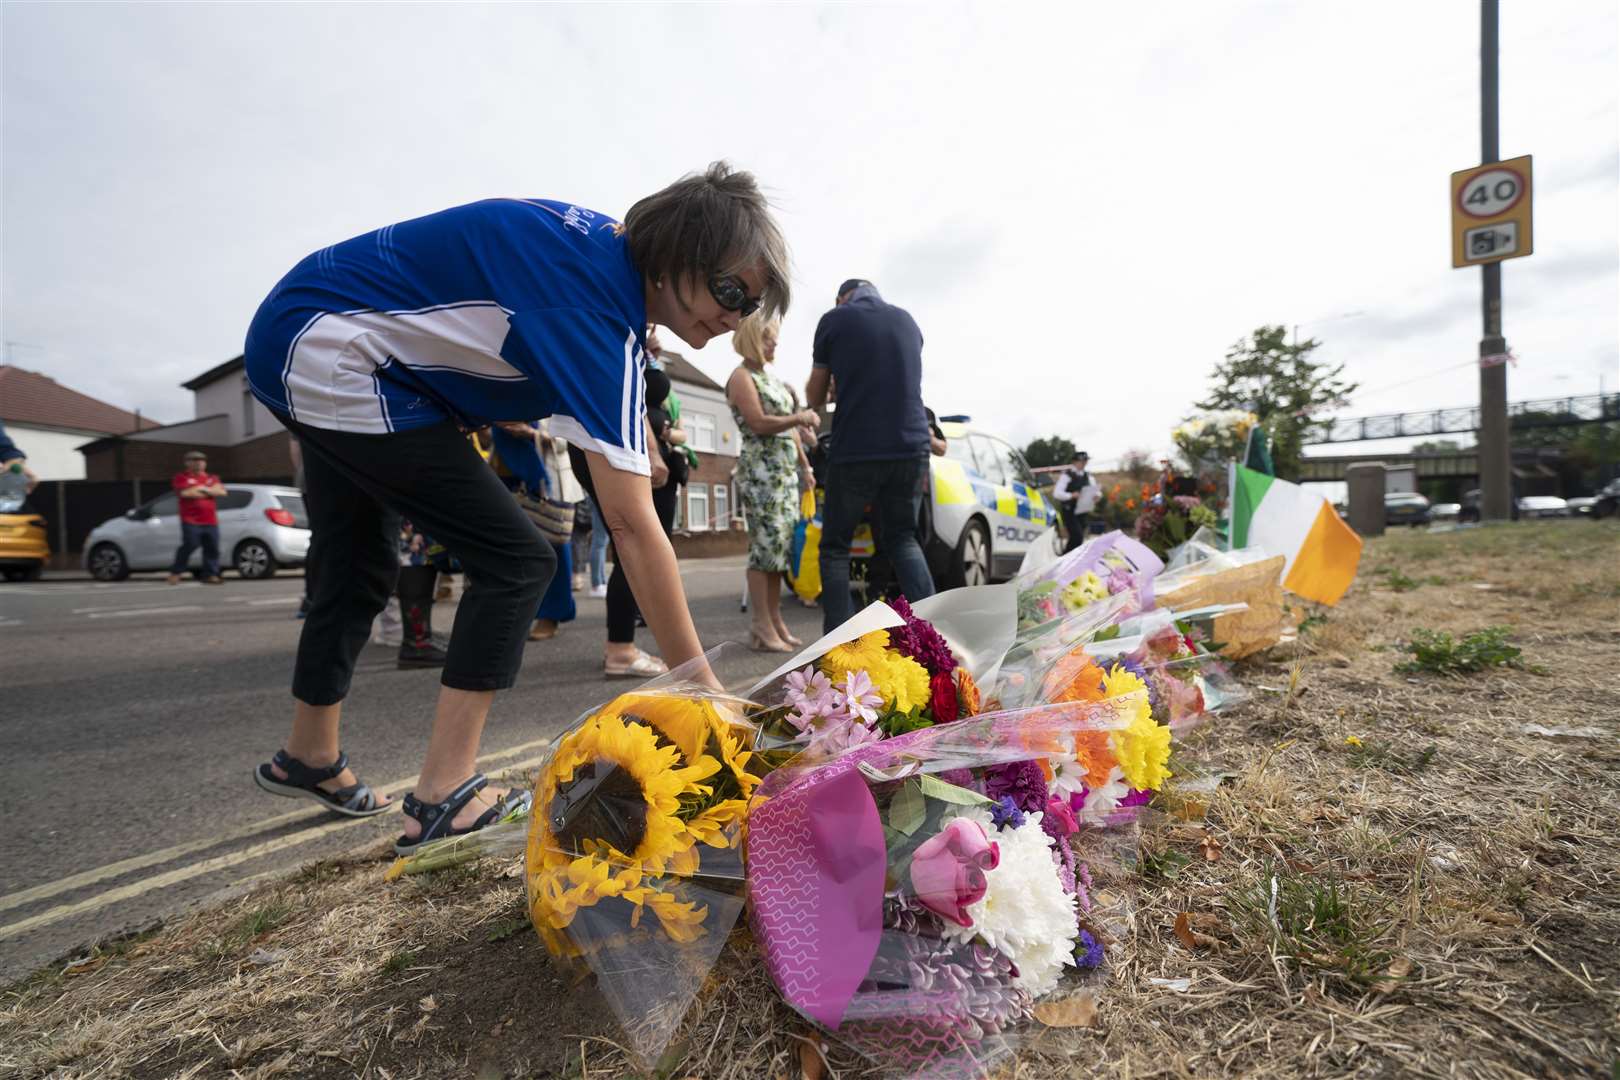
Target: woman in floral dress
x=771, y=454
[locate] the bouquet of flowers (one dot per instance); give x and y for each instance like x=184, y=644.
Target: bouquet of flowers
x=1102, y=567
x=1214, y=436
x=634, y=855
x=887, y=672
x=917, y=894
x=1166, y=522
x=634, y=849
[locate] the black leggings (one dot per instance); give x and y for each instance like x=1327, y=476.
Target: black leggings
x=621, y=602
x=357, y=487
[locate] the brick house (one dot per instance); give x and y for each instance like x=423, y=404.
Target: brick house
x=243, y=441
x=50, y=422
x=708, y=518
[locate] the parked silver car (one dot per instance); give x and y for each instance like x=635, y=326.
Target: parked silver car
x=262, y=527
x=1543, y=506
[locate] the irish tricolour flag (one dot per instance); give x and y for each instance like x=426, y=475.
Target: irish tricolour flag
x=1286, y=519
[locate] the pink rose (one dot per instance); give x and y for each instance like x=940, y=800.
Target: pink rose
x=947, y=870
x=1061, y=814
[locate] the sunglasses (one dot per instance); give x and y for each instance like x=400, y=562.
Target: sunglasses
x=730, y=293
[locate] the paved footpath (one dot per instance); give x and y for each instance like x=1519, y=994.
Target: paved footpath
x=132, y=714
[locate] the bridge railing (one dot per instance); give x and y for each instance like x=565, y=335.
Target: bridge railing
x=1545, y=412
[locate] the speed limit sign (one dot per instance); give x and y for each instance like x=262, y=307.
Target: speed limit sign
x=1490, y=212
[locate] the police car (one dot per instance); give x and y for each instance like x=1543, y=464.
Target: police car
x=983, y=512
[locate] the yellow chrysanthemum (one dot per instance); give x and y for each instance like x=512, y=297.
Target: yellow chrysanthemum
x=1142, y=746
x=901, y=680
x=865, y=653
x=1083, y=590
x=1122, y=683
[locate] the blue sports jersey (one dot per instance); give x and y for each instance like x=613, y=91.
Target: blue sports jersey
x=507, y=309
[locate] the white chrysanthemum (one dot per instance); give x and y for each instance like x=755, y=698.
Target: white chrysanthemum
x=1068, y=777
x=1100, y=802
x=1025, y=913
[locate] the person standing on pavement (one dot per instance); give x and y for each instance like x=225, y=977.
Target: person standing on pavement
x=880, y=439
x=1076, y=494
x=378, y=351
x=772, y=472
x=199, y=518
x=621, y=657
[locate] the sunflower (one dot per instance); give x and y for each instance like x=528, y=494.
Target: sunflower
x=607, y=806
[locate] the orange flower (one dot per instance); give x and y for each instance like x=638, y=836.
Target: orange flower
x=968, y=700
x=1075, y=678
x=1130, y=504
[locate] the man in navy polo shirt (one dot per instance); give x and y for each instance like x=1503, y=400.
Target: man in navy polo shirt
x=871, y=351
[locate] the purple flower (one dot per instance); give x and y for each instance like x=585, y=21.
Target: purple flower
x=1135, y=798
x=962, y=778
x=1088, y=953
x=1004, y=813
x=919, y=640
x=1082, y=885
x=1023, y=780
x=1136, y=668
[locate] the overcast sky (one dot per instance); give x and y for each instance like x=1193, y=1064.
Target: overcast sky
x=1083, y=205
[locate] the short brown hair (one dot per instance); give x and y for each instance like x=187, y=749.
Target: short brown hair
x=713, y=222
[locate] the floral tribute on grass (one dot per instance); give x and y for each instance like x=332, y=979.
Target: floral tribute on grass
x=880, y=684
x=918, y=894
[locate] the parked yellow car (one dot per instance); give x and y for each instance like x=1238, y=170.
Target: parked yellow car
x=24, y=549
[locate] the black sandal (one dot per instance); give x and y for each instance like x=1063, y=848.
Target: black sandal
x=435, y=818
x=356, y=800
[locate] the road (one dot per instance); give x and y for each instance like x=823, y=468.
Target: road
x=132, y=715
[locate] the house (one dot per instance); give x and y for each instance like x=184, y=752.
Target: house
x=243, y=441
x=50, y=422
x=710, y=500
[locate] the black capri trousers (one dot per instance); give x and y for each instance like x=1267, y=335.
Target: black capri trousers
x=356, y=488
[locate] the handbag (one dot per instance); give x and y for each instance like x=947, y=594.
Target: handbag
x=553, y=517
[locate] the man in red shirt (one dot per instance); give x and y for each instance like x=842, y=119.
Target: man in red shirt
x=199, y=521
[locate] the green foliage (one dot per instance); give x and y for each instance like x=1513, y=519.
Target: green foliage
x=1398, y=581
x=899, y=723
x=1281, y=385
x=1311, y=924
x=1436, y=651
x=1051, y=450
x=399, y=961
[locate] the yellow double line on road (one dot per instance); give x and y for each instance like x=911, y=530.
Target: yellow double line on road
x=208, y=866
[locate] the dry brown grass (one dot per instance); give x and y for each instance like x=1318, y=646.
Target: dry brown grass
x=1447, y=893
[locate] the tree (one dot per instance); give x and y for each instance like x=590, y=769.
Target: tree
x=1052, y=450
x=1282, y=386
x=1139, y=465
x=1437, y=446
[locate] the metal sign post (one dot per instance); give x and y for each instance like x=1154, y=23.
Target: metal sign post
x=1490, y=222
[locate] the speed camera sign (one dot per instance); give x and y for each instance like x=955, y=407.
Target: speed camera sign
x=1490, y=212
